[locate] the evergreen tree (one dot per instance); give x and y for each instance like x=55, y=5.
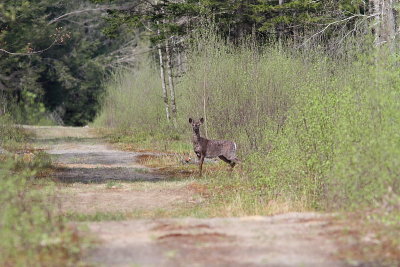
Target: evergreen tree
x=52, y=68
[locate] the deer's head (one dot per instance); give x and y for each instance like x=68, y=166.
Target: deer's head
x=196, y=124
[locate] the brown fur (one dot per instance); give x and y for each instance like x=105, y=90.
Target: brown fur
x=205, y=148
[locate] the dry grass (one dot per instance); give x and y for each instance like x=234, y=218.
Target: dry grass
x=173, y=165
x=53, y=132
x=225, y=194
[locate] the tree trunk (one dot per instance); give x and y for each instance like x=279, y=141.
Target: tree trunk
x=205, y=102
x=179, y=59
x=385, y=25
x=280, y=26
x=162, y=76
x=162, y=72
x=3, y=103
x=170, y=80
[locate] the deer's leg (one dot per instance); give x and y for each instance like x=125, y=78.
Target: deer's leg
x=233, y=162
x=230, y=162
x=236, y=160
x=224, y=159
x=201, y=165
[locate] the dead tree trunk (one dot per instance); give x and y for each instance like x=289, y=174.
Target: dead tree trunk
x=170, y=79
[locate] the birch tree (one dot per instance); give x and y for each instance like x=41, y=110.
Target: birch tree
x=385, y=21
x=170, y=79
x=162, y=76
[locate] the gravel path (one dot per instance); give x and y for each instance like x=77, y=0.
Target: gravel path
x=86, y=164
x=293, y=239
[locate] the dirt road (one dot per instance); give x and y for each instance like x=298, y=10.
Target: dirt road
x=94, y=177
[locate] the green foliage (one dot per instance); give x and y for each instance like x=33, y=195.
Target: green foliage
x=133, y=105
x=317, y=130
x=96, y=217
x=307, y=132
x=62, y=83
x=237, y=19
x=31, y=230
x=112, y=184
x=10, y=135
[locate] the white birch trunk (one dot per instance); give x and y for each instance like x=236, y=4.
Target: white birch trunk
x=162, y=76
x=205, y=102
x=162, y=73
x=170, y=79
x=385, y=25
x=280, y=28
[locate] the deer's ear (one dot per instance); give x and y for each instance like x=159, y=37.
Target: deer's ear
x=190, y=120
x=202, y=120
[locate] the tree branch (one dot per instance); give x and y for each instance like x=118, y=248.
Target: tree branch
x=103, y=8
x=336, y=22
x=29, y=53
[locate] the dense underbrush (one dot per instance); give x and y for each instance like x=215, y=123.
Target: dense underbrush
x=311, y=128
x=314, y=132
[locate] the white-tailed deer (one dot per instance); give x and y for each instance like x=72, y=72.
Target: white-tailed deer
x=204, y=148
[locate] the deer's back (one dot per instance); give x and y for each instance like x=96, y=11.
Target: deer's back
x=224, y=148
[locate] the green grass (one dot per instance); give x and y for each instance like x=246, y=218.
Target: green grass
x=100, y=216
x=112, y=184
x=12, y=137
x=31, y=231
x=95, y=217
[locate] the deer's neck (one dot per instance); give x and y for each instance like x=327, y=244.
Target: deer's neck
x=196, y=137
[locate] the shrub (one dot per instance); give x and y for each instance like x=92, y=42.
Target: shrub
x=313, y=128
x=31, y=230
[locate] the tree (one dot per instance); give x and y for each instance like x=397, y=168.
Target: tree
x=78, y=47
x=162, y=22
x=385, y=26
x=65, y=78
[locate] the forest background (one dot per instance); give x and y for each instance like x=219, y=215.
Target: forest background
x=84, y=42
x=309, y=90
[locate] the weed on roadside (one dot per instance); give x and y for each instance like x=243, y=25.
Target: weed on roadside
x=31, y=231
x=112, y=184
x=95, y=217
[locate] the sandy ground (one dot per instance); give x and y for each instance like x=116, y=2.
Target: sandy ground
x=284, y=240
x=94, y=177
